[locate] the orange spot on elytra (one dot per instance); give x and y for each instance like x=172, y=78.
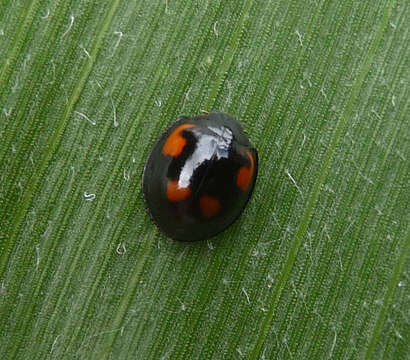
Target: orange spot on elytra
x=209, y=206
x=176, y=142
x=176, y=193
x=245, y=173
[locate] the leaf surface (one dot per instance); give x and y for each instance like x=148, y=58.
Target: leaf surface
x=317, y=266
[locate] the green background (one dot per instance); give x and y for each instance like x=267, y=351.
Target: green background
x=317, y=266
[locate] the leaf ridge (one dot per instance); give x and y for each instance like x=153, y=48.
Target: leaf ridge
x=303, y=225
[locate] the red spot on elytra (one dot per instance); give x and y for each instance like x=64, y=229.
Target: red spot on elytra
x=245, y=173
x=175, y=192
x=209, y=206
x=176, y=142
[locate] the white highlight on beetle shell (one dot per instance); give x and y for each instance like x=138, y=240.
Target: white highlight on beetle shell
x=206, y=147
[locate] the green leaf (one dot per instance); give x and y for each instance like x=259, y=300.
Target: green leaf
x=317, y=267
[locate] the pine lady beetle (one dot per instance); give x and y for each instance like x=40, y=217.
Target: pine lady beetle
x=199, y=176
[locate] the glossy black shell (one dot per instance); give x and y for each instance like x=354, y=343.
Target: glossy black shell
x=216, y=149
